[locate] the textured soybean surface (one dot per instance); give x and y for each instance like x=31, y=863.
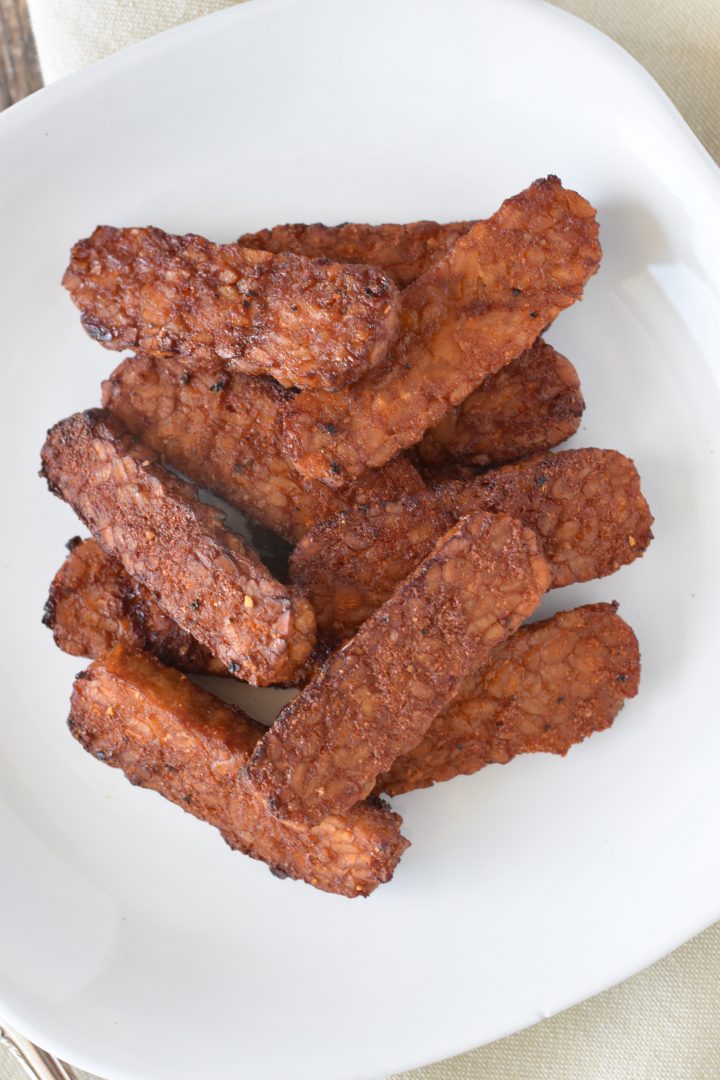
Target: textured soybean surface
x=169, y=735
x=94, y=605
x=586, y=507
x=203, y=576
x=546, y=688
x=529, y=406
x=304, y=322
x=532, y=404
x=224, y=431
x=468, y=315
x=404, y=252
x=376, y=697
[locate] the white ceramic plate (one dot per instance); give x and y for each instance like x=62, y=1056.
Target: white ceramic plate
x=134, y=943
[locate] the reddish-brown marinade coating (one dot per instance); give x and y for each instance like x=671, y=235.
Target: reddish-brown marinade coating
x=305, y=322
x=169, y=735
x=403, y=252
x=546, y=688
x=205, y=577
x=376, y=697
x=586, y=507
x=467, y=316
x=224, y=431
x=94, y=605
x=530, y=405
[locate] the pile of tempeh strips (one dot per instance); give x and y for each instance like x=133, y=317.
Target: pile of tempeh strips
x=381, y=398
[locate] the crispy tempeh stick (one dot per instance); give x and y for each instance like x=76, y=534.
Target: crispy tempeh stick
x=470, y=314
x=532, y=404
x=585, y=505
x=224, y=431
x=204, y=577
x=94, y=605
x=529, y=406
x=304, y=322
x=167, y=734
x=403, y=252
x=547, y=687
x=376, y=697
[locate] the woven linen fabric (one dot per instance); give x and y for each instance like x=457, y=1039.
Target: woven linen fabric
x=663, y=1024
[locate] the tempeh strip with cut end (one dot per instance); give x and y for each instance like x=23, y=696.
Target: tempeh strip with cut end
x=94, y=605
x=471, y=313
x=224, y=432
x=205, y=577
x=305, y=323
x=403, y=252
x=376, y=697
x=530, y=405
x=167, y=734
x=543, y=690
x=586, y=507
x=527, y=407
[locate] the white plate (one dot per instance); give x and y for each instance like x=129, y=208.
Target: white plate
x=133, y=942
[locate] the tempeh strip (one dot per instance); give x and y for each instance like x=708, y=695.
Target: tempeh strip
x=205, y=577
x=586, y=507
x=376, y=697
x=403, y=252
x=94, y=605
x=546, y=688
x=529, y=406
x=304, y=322
x=224, y=431
x=467, y=316
x=169, y=735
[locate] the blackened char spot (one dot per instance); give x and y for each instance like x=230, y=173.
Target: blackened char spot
x=379, y=290
x=49, y=613
x=96, y=330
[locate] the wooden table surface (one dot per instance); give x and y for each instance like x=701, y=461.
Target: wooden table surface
x=19, y=68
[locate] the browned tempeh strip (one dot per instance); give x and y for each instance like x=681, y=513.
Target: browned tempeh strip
x=94, y=605
x=585, y=505
x=304, y=322
x=204, y=577
x=470, y=314
x=224, y=431
x=169, y=735
x=404, y=252
x=530, y=405
x=547, y=687
x=376, y=697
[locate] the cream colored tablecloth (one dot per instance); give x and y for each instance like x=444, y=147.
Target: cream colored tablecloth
x=664, y=1024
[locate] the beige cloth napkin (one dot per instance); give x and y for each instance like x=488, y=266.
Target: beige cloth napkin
x=664, y=1024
